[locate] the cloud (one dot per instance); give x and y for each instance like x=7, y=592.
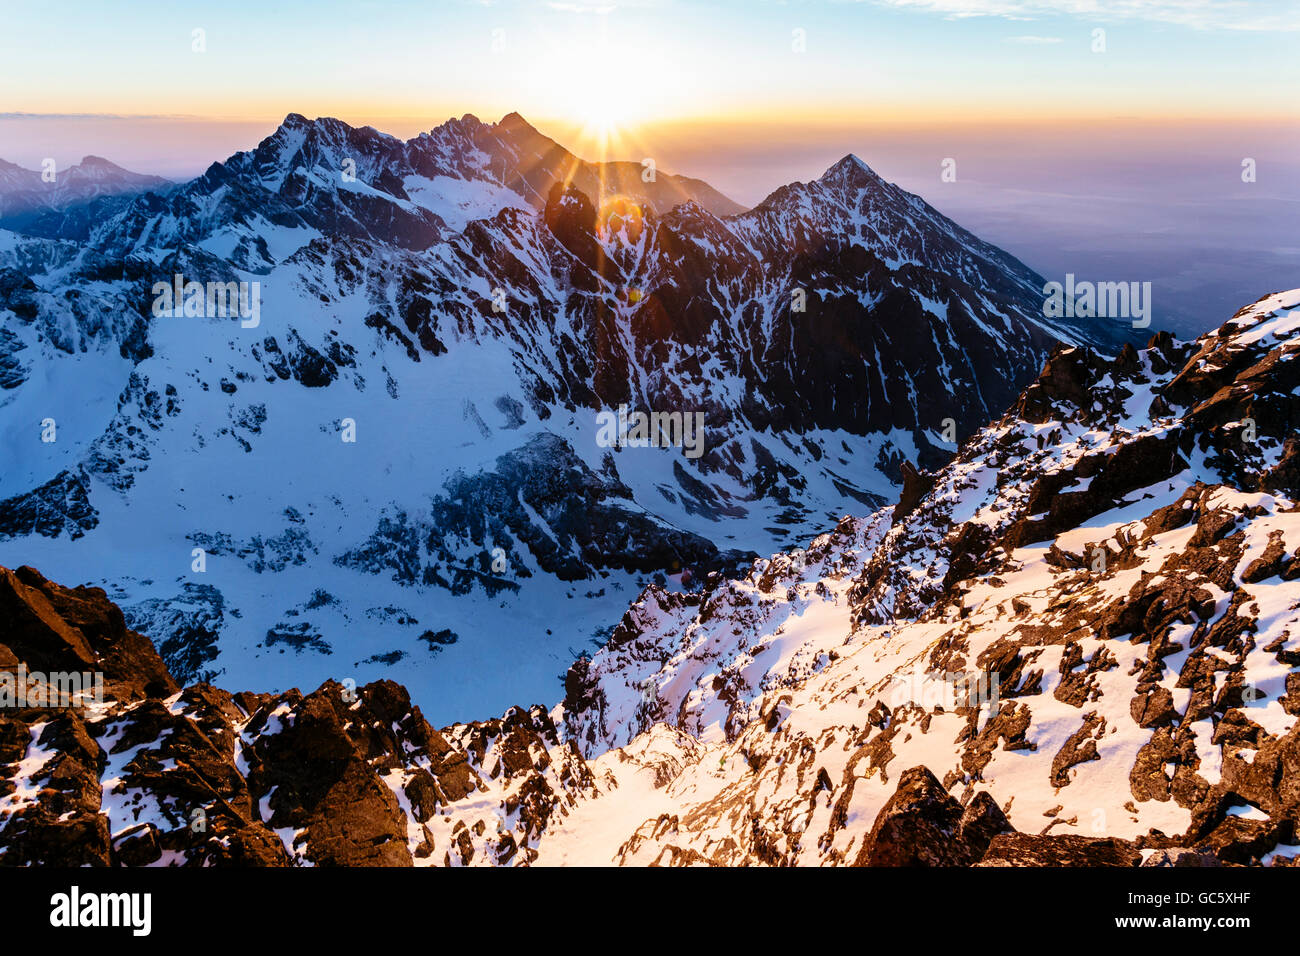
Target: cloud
x=597, y=6
x=1252, y=15
x=1033, y=40
x=582, y=7
x=98, y=116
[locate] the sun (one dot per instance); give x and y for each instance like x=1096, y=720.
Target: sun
x=599, y=113
x=584, y=90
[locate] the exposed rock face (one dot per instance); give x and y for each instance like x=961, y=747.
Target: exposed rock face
x=1021, y=849
x=922, y=825
x=51, y=628
x=60, y=506
x=589, y=523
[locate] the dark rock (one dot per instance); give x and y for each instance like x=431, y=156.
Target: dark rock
x=1024, y=849
x=922, y=825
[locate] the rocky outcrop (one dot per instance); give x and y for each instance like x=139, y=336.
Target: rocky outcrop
x=59, y=506
x=344, y=776
x=1022, y=849
x=50, y=628
x=922, y=825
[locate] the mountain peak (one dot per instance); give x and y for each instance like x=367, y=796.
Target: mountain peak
x=848, y=168
x=513, y=120
x=99, y=169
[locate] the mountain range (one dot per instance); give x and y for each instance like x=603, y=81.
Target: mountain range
x=79, y=193
x=395, y=465
x=1074, y=644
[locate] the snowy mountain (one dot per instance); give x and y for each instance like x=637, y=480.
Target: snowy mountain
x=1088, y=617
x=1074, y=644
x=54, y=200
x=383, y=453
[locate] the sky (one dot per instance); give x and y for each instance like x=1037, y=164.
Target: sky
x=579, y=59
x=1073, y=147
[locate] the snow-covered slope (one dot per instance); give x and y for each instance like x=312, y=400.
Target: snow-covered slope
x=1091, y=614
x=459, y=306
x=1074, y=644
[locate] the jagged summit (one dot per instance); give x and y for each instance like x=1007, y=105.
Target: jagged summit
x=850, y=167
x=514, y=121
